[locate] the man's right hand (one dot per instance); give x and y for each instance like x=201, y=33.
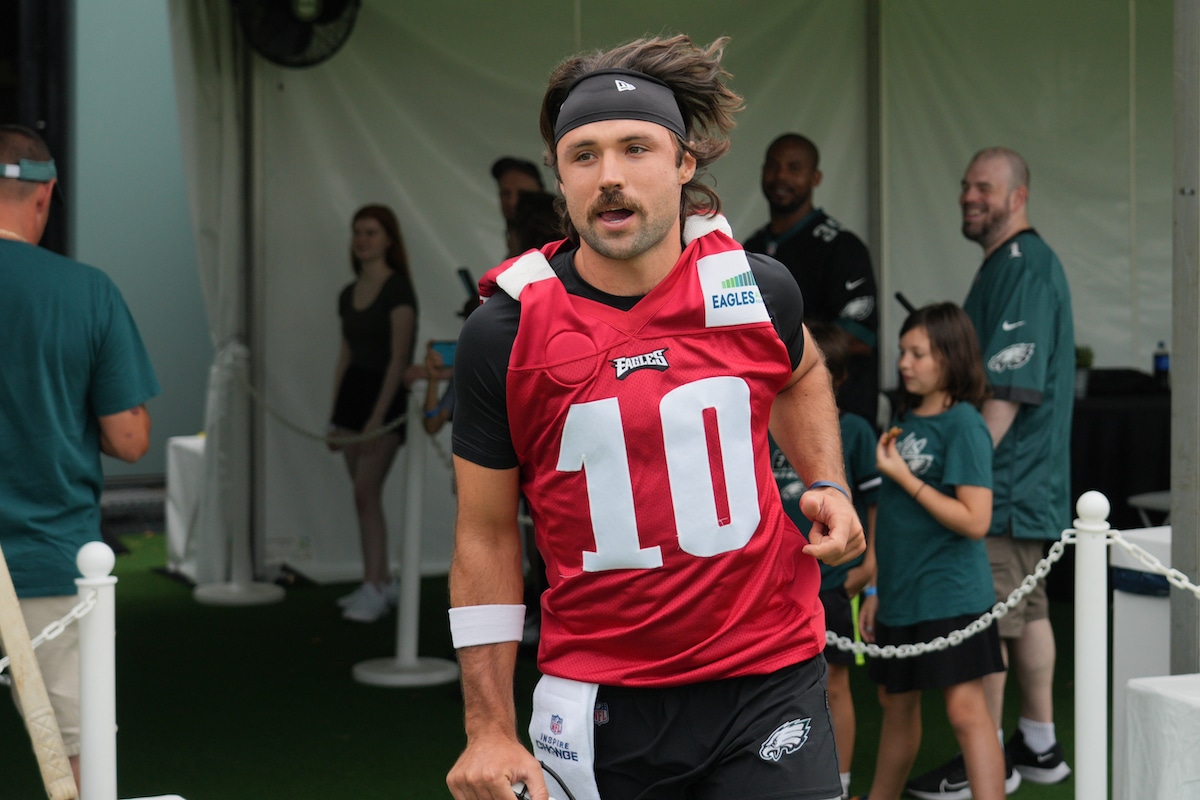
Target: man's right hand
x=489, y=767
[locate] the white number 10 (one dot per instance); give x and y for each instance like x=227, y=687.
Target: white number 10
x=710, y=469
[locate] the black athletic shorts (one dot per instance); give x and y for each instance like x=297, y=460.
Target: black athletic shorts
x=356, y=400
x=763, y=736
x=839, y=618
x=977, y=656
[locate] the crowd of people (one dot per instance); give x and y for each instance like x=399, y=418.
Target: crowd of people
x=693, y=426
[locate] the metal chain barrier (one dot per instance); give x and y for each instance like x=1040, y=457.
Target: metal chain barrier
x=958, y=637
x=239, y=374
x=324, y=438
x=56, y=629
x=1173, y=576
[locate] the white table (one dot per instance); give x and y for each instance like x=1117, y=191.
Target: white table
x=1163, y=738
x=1141, y=631
x=185, y=488
x=1159, y=502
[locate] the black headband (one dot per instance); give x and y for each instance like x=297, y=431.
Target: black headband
x=618, y=94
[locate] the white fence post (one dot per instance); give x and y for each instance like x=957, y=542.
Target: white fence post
x=407, y=669
x=1091, y=647
x=97, y=675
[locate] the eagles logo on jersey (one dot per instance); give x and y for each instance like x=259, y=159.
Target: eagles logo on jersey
x=1012, y=357
x=655, y=359
x=859, y=308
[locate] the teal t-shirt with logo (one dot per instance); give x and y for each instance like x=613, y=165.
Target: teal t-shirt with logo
x=71, y=354
x=925, y=570
x=1020, y=305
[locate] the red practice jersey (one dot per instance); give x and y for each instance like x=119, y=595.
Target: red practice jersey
x=642, y=442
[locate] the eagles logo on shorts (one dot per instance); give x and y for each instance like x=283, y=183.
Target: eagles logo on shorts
x=787, y=738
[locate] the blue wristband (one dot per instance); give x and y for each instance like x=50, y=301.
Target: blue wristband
x=830, y=484
x=870, y=591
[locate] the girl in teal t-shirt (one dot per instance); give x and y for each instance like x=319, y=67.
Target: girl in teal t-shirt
x=935, y=506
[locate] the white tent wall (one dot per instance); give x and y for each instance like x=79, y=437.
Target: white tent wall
x=1083, y=91
x=411, y=113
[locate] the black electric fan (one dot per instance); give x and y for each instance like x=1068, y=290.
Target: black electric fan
x=296, y=33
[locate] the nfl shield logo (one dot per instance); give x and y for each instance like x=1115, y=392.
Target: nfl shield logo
x=556, y=724
x=600, y=714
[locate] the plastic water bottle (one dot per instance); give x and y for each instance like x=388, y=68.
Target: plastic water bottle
x=1162, y=366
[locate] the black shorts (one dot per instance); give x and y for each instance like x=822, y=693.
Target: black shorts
x=839, y=618
x=762, y=736
x=975, y=657
x=356, y=400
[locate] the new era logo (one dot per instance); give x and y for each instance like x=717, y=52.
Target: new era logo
x=622, y=86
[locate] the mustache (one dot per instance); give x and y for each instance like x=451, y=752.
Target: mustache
x=613, y=198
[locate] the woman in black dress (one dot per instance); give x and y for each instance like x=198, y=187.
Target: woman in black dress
x=379, y=315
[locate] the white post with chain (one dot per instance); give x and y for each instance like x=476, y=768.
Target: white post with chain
x=97, y=675
x=1091, y=646
x=407, y=669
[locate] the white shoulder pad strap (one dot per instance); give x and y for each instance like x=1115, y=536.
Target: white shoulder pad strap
x=527, y=269
x=696, y=226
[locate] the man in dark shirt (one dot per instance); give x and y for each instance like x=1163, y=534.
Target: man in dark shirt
x=513, y=177
x=831, y=264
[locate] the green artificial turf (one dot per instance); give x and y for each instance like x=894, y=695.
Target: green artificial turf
x=250, y=703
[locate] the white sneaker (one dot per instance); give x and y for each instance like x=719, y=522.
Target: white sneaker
x=391, y=591
x=368, y=605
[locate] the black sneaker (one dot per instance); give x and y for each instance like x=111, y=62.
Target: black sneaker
x=1047, y=767
x=949, y=781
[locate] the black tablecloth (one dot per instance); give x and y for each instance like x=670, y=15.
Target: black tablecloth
x=1121, y=446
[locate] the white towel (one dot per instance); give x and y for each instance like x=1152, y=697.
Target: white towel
x=563, y=733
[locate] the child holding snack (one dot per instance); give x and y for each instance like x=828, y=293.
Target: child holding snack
x=935, y=506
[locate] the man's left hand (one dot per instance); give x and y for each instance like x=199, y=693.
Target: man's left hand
x=837, y=534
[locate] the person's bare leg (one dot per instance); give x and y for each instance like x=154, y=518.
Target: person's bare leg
x=1032, y=657
x=899, y=741
x=993, y=687
x=369, y=463
x=967, y=710
x=841, y=710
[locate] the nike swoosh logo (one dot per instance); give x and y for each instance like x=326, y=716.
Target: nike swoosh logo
x=948, y=786
x=1011, y=326
x=852, y=285
x=1044, y=757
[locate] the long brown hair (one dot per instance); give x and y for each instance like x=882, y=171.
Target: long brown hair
x=696, y=77
x=396, y=257
x=954, y=345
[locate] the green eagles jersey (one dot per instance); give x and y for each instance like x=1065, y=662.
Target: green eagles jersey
x=1021, y=307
